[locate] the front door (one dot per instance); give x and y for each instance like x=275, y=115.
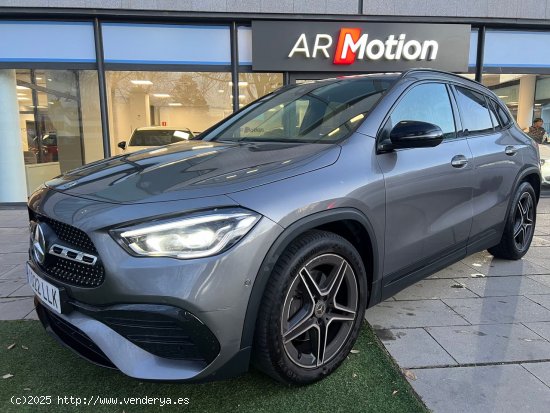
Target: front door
x=428, y=190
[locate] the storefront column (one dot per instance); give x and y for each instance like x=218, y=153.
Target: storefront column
x=526, y=100
x=12, y=165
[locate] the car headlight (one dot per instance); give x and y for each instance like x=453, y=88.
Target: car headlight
x=193, y=236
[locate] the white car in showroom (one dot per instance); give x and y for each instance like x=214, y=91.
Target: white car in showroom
x=147, y=137
x=544, y=151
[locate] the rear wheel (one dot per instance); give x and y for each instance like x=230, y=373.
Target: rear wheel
x=520, y=226
x=312, y=309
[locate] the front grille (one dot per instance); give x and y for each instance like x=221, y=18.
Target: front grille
x=73, y=272
x=68, y=271
x=70, y=234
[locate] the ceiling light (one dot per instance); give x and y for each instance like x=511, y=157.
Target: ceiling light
x=21, y=94
x=141, y=82
x=23, y=99
x=356, y=118
x=243, y=83
x=538, y=104
x=242, y=96
x=221, y=90
x=22, y=88
x=38, y=78
x=49, y=79
x=161, y=95
x=502, y=96
x=175, y=104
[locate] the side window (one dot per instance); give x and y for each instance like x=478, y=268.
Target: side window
x=493, y=113
x=502, y=114
x=474, y=111
x=425, y=103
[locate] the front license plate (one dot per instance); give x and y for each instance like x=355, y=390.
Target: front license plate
x=48, y=293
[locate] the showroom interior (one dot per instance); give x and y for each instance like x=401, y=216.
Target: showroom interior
x=70, y=98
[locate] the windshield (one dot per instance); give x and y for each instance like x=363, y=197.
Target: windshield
x=323, y=112
x=159, y=137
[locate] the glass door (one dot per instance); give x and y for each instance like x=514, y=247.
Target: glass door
x=60, y=124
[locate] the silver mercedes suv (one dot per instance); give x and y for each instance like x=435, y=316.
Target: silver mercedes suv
x=265, y=240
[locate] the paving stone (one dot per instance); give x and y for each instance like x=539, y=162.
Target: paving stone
x=435, y=289
x=14, y=246
x=541, y=278
x=493, y=267
x=540, y=370
x=13, y=258
x=542, y=229
x=457, y=270
x=406, y=314
x=542, y=329
x=5, y=268
x=17, y=272
x=483, y=389
x=9, y=286
x=505, y=286
x=543, y=300
x=494, y=343
x=414, y=347
x=32, y=316
x=15, y=308
x=497, y=310
x=10, y=232
x=23, y=291
x=540, y=241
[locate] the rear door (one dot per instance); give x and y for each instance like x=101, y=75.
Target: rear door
x=428, y=190
x=497, y=161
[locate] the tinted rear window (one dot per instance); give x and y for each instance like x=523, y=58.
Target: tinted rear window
x=474, y=111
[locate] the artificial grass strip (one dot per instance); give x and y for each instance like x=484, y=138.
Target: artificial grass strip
x=367, y=381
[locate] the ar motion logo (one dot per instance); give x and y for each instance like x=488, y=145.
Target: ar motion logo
x=353, y=45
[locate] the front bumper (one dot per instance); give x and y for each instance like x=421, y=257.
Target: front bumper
x=215, y=290
x=143, y=341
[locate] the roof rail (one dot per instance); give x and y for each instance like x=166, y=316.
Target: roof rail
x=422, y=69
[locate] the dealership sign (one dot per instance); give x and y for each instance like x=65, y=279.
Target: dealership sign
x=358, y=47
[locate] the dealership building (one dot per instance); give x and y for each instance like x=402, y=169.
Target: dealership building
x=78, y=77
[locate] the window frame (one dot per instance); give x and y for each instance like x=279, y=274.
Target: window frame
x=484, y=95
x=454, y=111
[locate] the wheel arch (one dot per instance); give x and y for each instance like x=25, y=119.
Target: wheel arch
x=349, y=223
x=529, y=174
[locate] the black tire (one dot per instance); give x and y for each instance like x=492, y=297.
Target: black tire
x=315, y=261
x=520, y=225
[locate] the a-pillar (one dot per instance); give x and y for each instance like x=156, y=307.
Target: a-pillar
x=13, y=186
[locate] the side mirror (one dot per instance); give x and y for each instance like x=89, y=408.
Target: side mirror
x=415, y=134
x=122, y=145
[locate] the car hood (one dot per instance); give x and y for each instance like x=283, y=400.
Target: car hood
x=191, y=170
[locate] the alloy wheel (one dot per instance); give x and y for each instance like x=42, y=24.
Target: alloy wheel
x=523, y=221
x=319, y=310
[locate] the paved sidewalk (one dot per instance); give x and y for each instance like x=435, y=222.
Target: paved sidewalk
x=476, y=335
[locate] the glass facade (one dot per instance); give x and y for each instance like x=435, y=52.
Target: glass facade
x=59, y=121
x=176, y=79
x=191, y=101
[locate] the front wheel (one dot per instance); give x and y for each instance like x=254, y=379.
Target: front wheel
x=520, y=225
x=312, y=309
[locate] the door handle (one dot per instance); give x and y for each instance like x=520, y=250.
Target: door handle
x=510, y=150
x=459, y=161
